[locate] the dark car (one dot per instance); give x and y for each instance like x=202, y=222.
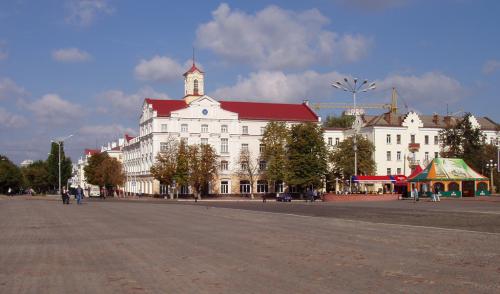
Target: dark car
x=284, y=197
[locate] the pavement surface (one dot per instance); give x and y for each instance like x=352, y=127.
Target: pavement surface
x=123, y=246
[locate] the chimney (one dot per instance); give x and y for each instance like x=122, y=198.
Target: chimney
x=306, y=102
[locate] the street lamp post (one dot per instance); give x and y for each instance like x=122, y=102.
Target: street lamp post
x=59, y=142
x=354, y=88
x=491, y=165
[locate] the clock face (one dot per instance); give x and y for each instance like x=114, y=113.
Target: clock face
x=204, y=111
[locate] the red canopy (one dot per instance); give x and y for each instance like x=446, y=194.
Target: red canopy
x=415, y=172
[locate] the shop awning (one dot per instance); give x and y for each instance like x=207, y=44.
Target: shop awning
x=373, y=179
x=399, y=180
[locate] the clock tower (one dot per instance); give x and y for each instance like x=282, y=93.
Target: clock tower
x=193, y=83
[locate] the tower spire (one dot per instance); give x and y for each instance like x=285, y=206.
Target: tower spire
x=193, y=56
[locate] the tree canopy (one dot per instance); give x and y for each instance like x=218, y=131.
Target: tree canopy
x=10, y=175
x=343, y=121
x=203, y=167
x=274, y=139
x=53, y=165
x=104, y=171
x=342, y=158
x=37, y=177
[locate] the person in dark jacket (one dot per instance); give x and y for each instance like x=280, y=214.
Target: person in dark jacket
x=79, y=195
x=65, y=196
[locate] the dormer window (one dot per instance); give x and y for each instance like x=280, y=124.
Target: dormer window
x=195, y=87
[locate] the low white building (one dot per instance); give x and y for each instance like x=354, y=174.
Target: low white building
x=404, y=140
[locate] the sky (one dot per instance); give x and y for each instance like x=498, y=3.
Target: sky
x=84, y=67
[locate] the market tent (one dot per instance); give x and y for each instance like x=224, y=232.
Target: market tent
x=416, y=171
x=453, y=177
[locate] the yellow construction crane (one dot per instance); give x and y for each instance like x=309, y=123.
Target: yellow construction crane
x=392, y=107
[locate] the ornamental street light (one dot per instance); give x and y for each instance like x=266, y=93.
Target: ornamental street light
x=491, y=165
x=354, y=87
x=59, y=142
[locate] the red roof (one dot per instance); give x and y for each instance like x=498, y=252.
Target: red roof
x=128, y=138
x=91, y=151
x=192, y=69
x=245, y=110
x=415, y=172
x=373, y=179
x=164, y=107
x=270, y=111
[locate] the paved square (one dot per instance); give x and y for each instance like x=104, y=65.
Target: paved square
x=141, y=247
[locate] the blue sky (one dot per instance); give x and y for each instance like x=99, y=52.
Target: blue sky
x=83, y=67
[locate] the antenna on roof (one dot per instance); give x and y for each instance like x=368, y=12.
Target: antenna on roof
x=193, y=55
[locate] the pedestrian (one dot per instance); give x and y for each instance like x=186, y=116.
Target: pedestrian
x=79, y=195
x=264, y=197
x=415, y=193
x=9, y=192
x=195, y=197
x=437, y=193
x=65, y=196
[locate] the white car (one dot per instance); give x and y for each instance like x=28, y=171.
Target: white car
x=94, y=191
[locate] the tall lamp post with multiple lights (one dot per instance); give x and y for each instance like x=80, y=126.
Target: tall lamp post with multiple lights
x=59, y=142
x=354, y=87
x=491, y=165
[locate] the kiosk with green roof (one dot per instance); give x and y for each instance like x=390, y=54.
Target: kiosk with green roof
x=453, y=177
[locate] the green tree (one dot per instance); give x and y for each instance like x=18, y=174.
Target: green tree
x=307, y=154
x=53, y=166
x=104, y=171
x=182, y=171
x=490, y=153
x=203, y=167
x=343, y=121
x=342, y=158
x=10, y=175
x=274, y=139
x=37, y=176
x=165, y=168
x=463, y=140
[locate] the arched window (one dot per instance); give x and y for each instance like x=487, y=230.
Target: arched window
x=195, y=87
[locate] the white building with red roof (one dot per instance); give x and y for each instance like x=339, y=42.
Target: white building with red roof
x=228, y=126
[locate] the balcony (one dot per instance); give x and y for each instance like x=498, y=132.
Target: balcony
x=414, y=147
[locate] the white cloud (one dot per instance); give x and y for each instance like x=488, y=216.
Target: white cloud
x=70, y=55
x=10, y=120
x=84, y=12
x=159, y=68
x=52, y=109
x=9, y=89
x=491, y=66
x=274, y=38
x=277, y=86
x=129, y=104
x=423, y=91
x=427, y=90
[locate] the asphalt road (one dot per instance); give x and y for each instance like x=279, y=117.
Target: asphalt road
x=137, y=247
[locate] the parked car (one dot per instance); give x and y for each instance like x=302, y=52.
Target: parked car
x=284, y=197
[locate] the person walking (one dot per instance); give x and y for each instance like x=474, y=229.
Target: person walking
x=9, y=192
x=437, y=193
x=65, y=196
x=79, y=195
x=264, y=197
x=415, y=193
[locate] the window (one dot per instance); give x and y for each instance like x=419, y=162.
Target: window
x=388, y=171
x=163, y=146
x=224, y=165
x=412, y=139
x=184, y=189
x=337, y=141
x=184, y=128
x=262, y=130
x=426, y=140
x=204, y=128
x=223, y=145
x=262, y=148
x=244, y=130
x=398, y=156
x=388, y=155
x=399, y=170
x=436, y=140
x=262, y=186
x=224, y=187
x=244, y=187
x=204, y=141
x=388, y=139
x=330, y=141
x=279, y=188
x=244, y=147
x=223, y=129
x=262, y=165
x=195, y=87
x=426, y=155
x=436, y=154
x=398, y=139
x=164, y=127
x=244, y=165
